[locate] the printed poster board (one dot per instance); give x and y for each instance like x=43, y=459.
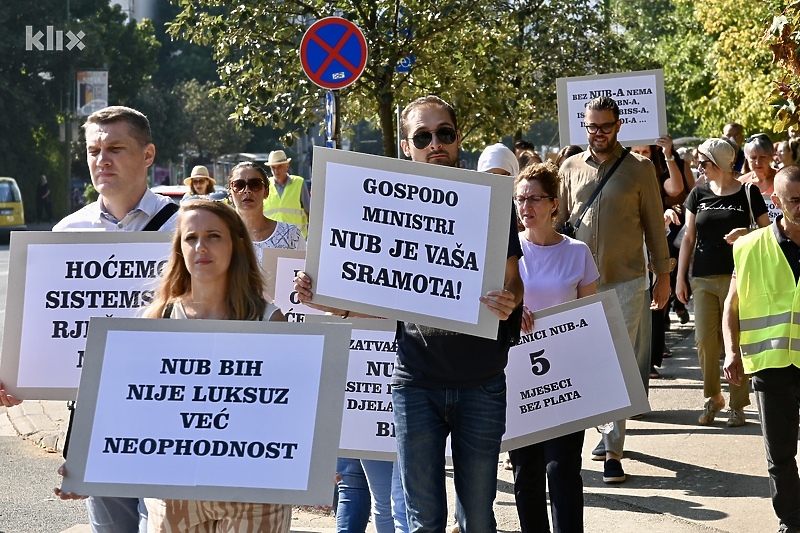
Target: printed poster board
x=574, y=371
x=56, y=282
x=639, y=95
x=280, y=267
x=368, y=415
x=209, y=410
x=408, y=241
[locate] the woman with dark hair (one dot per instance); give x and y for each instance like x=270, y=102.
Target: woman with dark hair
x=247, y=186
x=674, y=177
x=212, y=274
x=554, y=269
x=567, y=152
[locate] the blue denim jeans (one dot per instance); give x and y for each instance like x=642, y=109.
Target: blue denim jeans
x=475, y=420
x=117, y=515
x=778, y=399
x=388, y=502
x=352, y=507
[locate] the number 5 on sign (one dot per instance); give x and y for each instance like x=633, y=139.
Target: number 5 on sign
x=574, y=371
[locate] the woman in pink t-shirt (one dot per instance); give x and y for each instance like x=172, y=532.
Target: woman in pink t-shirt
x=554, y=269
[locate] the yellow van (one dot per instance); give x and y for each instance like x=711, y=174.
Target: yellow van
x=12, y=214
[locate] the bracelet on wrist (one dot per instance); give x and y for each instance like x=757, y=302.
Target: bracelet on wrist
x=670, y=158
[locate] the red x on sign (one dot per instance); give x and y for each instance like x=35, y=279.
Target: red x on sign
x=333, y=53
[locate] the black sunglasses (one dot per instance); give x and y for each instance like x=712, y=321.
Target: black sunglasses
x=424, y=138
x=606, y=128
x=254, y=184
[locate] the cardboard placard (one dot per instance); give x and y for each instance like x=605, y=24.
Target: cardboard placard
x=639, y=95
x=209, y=410
x=282, y=265
x=57, y=281
x=409, y=241
x=574, y=371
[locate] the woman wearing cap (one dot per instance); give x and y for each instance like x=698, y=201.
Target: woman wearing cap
x=247, y=185
x=758, y=152
x=212, y=274
x=200, y=184
x=717, y=213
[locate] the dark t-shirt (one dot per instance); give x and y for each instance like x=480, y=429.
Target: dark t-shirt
x=715, y=217
x=440, y=359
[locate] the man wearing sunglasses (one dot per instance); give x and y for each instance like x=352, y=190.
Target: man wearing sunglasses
x=451, y=383
x=627, y=208
x=288, y=199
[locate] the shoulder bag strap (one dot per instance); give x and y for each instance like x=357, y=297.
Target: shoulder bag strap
x=602, y=183
x=161, y=217
x=749, y=205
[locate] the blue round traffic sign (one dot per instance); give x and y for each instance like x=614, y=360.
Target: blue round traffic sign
x=333, y=53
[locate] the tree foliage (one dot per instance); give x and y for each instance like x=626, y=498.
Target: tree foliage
x=37, y=86
x=496, y=64
x=782, y=36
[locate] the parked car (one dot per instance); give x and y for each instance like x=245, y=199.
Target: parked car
x=12, y=213
x=176, y=192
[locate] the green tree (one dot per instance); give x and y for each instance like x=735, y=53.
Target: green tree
x=210, y=131
x=496, y=64
x=37, y=86
x=783, y=39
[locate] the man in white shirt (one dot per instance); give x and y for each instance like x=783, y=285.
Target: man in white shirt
x=119, y=150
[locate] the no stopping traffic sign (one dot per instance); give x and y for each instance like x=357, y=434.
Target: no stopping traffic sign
x=333, y=53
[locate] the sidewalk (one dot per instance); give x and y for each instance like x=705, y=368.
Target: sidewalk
x=682, y=477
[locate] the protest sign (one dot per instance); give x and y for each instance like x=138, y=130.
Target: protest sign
x=407, y=240
x=281, y=266
x=56, y=282
x=209, y=410
x=772, y=209
x=368, y=419
x=574, y=371
x=639, y=95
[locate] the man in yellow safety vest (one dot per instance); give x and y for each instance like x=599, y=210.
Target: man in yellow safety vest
x=761, y=328
x=288, y=200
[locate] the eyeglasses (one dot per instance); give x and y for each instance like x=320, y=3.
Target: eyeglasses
x=424, y=138
x=702, y=164
x=254, y=184
x=198, y=180
x=533, y=200
x=608, y=127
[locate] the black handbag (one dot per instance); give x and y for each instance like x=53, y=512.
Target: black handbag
x=570, y=229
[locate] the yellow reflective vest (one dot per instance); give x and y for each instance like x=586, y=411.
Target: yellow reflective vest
x=287, y=208
x=769, y=303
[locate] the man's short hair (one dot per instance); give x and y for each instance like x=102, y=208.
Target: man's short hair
x=426, y=101
x=603, y=103
x=789, y=173
x=137, y=122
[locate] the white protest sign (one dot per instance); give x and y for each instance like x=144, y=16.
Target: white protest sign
x=56, y=282
x=772, y=210
x=408, y=240
x=574, y=371
x=639, y=95
x=368, y=420
x=281, y=266
x=209, y=410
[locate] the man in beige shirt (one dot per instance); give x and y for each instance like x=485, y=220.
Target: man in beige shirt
x=625, y=215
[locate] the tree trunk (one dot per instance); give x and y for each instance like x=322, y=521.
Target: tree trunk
x=386, y=114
